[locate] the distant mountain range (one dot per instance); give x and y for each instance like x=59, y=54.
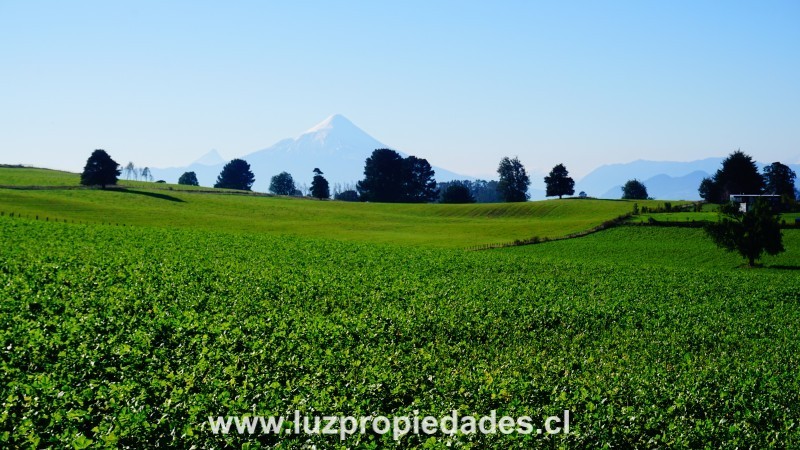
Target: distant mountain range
x=336, y=146
x=339, y=148
x=665, y=180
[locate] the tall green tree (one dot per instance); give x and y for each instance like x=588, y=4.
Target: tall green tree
x=282, y=184
x=634, y=190
x=383, y=177
x=100, y=170
x=419, y=186
x=514, y=180
x=738, y=175
x=188, y=179
x=779, y=180
x=559, y=183
x=750, y=233
x=319, y=186
x=388, y=177
x=236, y=175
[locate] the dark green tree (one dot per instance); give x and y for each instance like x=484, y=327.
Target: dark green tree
x=779, y=180
x=388, y=177
x=750, y=233
x=348, y=195
x=383, y=177
x=188, y=179
x=738, y=175
x=319, y=186
x=419, y=186
x=236, y=175
x=100, y=170
x=709, y=190
x=282, y=184
x=457, y=193
x=514, y=180
x=559, y=182
x=634, y=190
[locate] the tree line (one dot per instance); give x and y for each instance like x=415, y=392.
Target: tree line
x=391, y=178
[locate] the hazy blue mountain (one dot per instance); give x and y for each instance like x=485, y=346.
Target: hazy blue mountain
x=665, y=180
x=665, y=187
x=606, y=180
x=336, y=146
x=211, y=158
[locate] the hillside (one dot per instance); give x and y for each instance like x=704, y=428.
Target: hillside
x=56, y=195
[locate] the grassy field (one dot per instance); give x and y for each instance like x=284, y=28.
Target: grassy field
x=454, y=226
x=216, y=305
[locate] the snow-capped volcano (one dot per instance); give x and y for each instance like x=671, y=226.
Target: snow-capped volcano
x=336, y=146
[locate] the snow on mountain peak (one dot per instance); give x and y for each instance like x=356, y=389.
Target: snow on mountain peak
x=334, y=121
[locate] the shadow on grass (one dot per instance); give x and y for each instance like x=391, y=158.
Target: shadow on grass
x=783, y=267
x=149, y=194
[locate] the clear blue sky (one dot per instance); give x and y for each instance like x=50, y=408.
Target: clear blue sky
x=459, y=83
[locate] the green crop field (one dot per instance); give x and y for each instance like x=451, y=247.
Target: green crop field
x=643, y=246
x=216, y=305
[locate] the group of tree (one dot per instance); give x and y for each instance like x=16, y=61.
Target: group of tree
x=390, y=178
x=456, y=193
x=131, y=171
x=481, y=191
x=739, y=175
x=754, y=230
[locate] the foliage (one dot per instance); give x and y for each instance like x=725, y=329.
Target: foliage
x=100, y=170
x=135, y=346
x=634, y=190
x=481, y=190
x=282, y=184
x=514, y=180
x=390, y=178
x=348, y=195
x=319, y=186
x=189, y=179
x=419, y=185
x=457, y=193
x=738, y=175
x=779, y=180
x=709, y=190
x=559, y=182
x=236, y=174
x=383, y=177
x=750, y=233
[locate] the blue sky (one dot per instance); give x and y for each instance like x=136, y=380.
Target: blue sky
x=459, y=83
